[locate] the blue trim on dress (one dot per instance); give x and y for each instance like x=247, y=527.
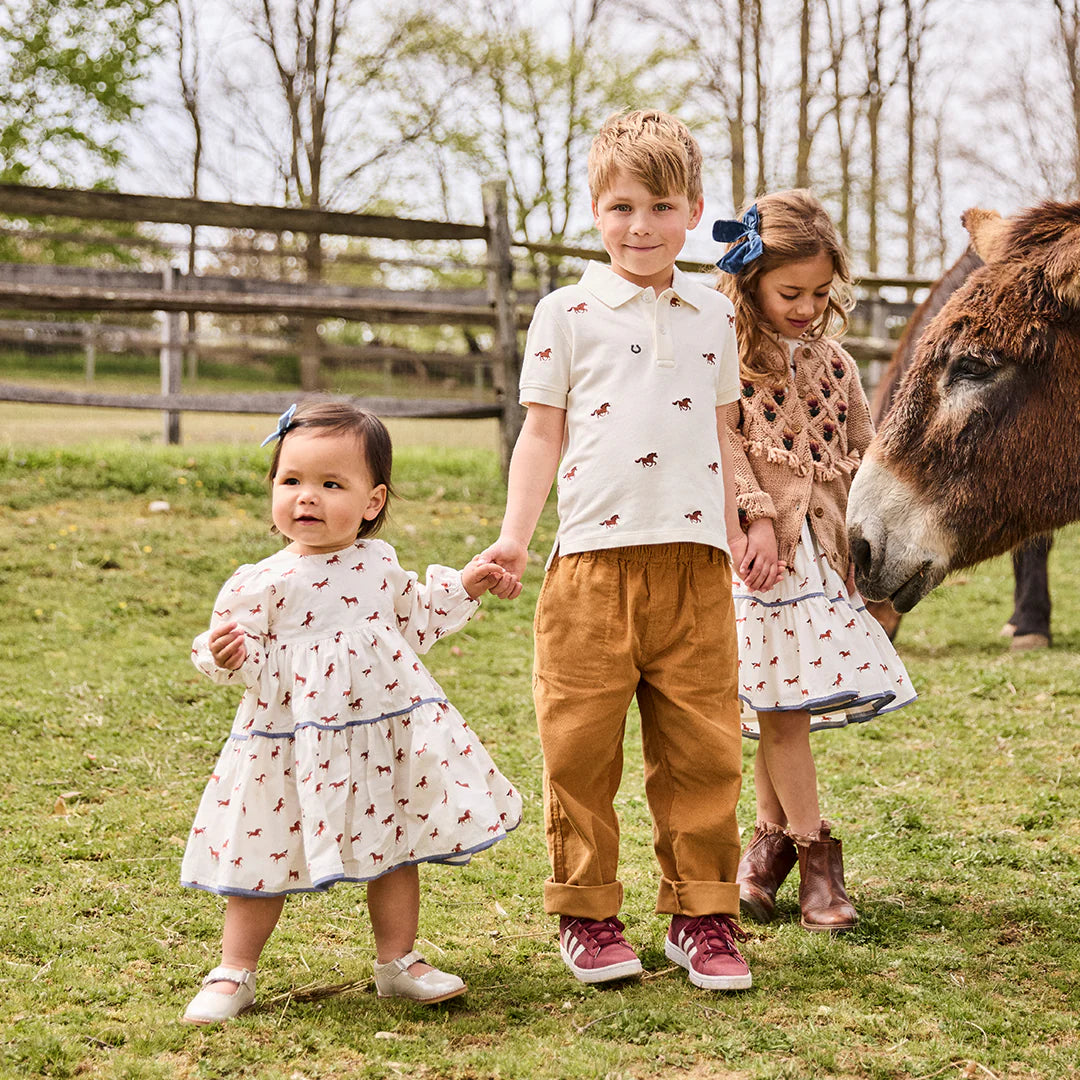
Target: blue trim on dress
x=243, y=736
x=819, y=595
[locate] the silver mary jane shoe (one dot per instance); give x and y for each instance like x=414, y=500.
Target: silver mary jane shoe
x=393, y=980
x=210, y=1007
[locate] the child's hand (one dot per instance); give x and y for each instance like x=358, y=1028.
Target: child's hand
x=227, y=646
x=760, y=568
x=481, y=576
x=512, y=558
x=849, y=581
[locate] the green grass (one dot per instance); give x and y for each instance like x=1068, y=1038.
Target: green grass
x=959, y=817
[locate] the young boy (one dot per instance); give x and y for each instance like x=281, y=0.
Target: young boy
x=624, y=377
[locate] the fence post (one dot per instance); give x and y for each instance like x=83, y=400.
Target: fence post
x=89, y=353
x=500, y=282
x=171, y=356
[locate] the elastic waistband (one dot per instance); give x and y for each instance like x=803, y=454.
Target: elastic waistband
x=682, y=551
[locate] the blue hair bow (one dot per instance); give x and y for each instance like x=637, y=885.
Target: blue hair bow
x=727, y=232
x=283, y=425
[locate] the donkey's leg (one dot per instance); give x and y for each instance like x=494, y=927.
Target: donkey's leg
x=1031, y=596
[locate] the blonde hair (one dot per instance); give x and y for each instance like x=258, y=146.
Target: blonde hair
x=794, y=226
x=653, y=147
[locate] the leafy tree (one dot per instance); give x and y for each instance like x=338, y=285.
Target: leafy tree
x=68, y=73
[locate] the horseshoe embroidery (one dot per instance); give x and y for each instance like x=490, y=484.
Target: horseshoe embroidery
x=635, y=349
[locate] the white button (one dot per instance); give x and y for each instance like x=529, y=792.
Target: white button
x=663, y=332
x=648, y=296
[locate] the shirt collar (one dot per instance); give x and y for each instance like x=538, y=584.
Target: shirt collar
x=613, y=290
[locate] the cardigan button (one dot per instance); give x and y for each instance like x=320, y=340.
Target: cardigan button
x=818, y=512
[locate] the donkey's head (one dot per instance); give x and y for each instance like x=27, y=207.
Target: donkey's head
x=981, y=448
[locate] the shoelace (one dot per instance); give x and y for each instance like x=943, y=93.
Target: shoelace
x=598, y=932
x=713, y=935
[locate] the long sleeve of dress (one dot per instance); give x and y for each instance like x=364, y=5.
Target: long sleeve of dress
x=246, y=598
x=426, y=612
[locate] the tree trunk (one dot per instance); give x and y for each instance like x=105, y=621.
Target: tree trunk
x=802, y=162
x=910, y=64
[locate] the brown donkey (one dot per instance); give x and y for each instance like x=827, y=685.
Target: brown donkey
x=981, y=449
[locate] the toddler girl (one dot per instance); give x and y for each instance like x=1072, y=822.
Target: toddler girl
x=810, y=655
x=345, y=762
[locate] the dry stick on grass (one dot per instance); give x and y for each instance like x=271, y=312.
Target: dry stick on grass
x=315, y=992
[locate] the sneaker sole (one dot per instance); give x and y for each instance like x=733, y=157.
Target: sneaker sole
x=705, y=982
x=628, y=969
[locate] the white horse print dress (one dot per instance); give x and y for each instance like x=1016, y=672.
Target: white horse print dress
x=345, y=759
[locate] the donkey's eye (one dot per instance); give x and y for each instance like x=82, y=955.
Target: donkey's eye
x=968, y=369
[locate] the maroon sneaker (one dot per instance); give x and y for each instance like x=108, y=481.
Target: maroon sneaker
x=705, y=946
x=595, y=950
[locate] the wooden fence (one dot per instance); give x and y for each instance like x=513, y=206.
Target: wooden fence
x=498, y=309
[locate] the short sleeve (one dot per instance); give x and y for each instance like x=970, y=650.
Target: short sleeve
x=545, y=368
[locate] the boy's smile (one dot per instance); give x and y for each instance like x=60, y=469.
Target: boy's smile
x=643, y=233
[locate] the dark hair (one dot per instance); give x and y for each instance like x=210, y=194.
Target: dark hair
x=794, y=226
x=373, y=441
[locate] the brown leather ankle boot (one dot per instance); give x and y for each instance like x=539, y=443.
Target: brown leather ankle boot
x=822, y=897
x=768, y=859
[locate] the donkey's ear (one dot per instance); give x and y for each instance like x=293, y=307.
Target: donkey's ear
x=987, y=229
x=1063, y=268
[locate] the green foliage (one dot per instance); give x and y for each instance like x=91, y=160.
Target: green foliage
x=958, y=815
x=68, y=71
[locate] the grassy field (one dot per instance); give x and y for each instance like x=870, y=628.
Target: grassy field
x=959, y=817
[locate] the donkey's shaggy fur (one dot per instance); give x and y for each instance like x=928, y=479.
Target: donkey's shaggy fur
x=981, y=448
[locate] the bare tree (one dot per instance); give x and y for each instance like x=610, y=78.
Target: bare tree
x=879, y=80
x=802, y=152
x=342, y=106
x=843, y=110
x=1068, y=46
x=189, y=71
x=723, y=39
x=917, y=26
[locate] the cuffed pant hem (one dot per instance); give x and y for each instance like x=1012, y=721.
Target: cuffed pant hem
x=698, y=898
x=587, y=901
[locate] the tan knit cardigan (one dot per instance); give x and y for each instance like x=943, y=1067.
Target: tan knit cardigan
x=797, y=447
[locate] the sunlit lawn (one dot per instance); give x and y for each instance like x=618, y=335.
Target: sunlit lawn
x=959, y=817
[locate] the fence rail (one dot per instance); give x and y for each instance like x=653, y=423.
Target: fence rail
x=499, y=310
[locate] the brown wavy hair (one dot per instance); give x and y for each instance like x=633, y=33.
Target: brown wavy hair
x=373, y=441
x=794, y=226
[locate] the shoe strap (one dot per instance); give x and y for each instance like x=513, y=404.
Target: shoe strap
x=402, y=963
x=240, y=976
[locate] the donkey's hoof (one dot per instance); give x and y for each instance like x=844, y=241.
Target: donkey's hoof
x=1026, y=642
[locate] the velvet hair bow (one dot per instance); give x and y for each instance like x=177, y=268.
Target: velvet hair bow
x=727, y=232
x=283, y=425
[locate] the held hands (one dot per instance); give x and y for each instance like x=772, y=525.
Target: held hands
x=227, y=646
x=760, y=567
x=483, y=575
x=511, y=558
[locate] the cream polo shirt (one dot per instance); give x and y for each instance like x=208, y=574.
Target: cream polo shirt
x=640, y=377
